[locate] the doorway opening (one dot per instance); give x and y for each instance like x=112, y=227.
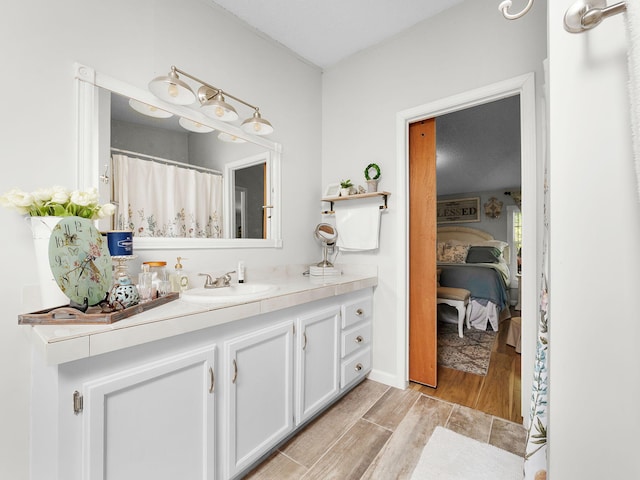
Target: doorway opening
x=524, y=87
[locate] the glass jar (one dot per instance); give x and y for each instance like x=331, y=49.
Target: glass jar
x=159, y=278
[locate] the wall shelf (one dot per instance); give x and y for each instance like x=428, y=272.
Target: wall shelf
x=357, y=196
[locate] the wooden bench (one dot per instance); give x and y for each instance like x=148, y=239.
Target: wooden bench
x=459, y=299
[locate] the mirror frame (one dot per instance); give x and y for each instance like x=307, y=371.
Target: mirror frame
x=90, y=143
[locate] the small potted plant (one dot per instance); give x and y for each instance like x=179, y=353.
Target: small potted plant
x=345, y=187
x=372, y=175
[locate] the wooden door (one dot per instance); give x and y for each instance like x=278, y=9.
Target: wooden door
x=423, y=354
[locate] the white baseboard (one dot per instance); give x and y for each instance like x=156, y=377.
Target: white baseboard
x=388, y=379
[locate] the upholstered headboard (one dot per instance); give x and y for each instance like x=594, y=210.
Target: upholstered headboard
x=467, y=235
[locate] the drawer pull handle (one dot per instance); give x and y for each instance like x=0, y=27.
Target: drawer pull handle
x=235, y=372
x=359, y=339
x=212, y=380
x=359, y=312
x=304, y=336
x=358, y=367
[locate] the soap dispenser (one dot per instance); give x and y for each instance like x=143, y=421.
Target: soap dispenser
x=178, y=280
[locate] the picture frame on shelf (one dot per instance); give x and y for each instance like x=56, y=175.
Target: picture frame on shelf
x=332, y=190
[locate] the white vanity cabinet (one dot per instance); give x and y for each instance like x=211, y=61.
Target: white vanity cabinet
x=258, y=376
x=153, y=420
x=317, y=361
x=205, y=395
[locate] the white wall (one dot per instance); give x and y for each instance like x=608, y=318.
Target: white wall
x=461, y=49
x=134, y=42
x=595, y=226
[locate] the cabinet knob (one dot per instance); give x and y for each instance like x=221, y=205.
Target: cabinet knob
x=359, y=312
x=358, y=367
x=359, y=339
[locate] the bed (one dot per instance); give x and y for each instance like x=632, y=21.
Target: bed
x=472, y=259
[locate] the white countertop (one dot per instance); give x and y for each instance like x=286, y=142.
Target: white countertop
x=65, y=343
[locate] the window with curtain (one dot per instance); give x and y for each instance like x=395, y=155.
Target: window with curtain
x=160, y=200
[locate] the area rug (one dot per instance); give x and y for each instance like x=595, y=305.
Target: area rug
x=469, y=354
x=451, y=456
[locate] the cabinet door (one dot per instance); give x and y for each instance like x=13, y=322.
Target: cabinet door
x=318, y=357
x=155, y=421
x=259, y=397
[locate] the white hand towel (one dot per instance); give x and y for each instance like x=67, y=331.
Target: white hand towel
x=358, y=226
x=633, y=27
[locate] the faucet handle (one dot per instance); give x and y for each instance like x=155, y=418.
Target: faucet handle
x=208, y=283
x=227, y=277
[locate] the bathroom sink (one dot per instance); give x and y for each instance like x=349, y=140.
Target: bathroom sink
x=236, y=292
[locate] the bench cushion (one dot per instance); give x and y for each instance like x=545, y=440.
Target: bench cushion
x=451, y=293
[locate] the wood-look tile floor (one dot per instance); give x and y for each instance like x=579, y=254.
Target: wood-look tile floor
x=378, y=432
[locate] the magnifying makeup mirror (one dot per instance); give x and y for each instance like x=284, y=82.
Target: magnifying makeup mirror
x=327, y=235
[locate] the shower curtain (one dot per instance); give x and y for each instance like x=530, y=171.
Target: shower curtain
x=159, y=200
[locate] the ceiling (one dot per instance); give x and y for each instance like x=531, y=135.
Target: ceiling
x=327, y=31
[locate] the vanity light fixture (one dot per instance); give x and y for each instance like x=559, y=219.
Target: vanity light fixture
x=257, y=125
x=171, y=88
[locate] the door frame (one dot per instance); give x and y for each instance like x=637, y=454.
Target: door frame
x=524, y=86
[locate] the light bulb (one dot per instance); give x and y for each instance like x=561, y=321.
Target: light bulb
x=152, y=108
x=257, y=127
x=219, y=112
x=173, y=90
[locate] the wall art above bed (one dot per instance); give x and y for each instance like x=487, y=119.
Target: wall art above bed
x=459, y=210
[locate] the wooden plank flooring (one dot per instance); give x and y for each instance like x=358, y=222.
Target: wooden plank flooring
x=378, y=432
x=497, y=393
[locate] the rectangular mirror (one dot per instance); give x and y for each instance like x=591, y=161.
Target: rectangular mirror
x=180, y=179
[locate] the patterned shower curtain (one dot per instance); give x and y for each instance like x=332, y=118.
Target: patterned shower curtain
x=159, y=200
x=535, y=459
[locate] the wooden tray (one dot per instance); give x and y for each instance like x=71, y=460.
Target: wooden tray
x=66, y=315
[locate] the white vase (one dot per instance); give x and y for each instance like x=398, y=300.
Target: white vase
x=372, y=186
x=50, y=293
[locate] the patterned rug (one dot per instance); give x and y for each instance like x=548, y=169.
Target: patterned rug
x=469, y=354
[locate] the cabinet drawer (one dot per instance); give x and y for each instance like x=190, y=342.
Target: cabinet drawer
x=356, y=367
x=356, y=311
x=357, y=338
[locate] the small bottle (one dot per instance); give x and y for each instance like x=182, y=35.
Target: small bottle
x=145, y=284
x=179, y=281
x=240, y=271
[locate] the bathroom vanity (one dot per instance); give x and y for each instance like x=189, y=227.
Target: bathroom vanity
x=197, y=391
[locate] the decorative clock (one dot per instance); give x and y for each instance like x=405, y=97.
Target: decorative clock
x=80, y=261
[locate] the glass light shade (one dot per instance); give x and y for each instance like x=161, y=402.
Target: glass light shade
x=257, y=125
x=171, y=89
x=218, y=108
x=148, y=110
x=227, y=137
x=194, y=126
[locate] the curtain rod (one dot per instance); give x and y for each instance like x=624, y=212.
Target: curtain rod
x=170, y=162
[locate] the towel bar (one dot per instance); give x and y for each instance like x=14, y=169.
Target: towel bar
x=583, y=16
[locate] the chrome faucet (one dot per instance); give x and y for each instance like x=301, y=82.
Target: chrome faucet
x=220, y=282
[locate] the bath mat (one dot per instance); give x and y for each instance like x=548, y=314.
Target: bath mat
x=451, y=456
x=469, y=354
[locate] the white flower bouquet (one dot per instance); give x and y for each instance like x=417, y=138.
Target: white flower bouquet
x=57, y=201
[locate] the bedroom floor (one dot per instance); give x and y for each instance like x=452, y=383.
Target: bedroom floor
x=498, y=393
x=377, y=431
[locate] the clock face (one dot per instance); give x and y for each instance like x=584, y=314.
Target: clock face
x=80, y=260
